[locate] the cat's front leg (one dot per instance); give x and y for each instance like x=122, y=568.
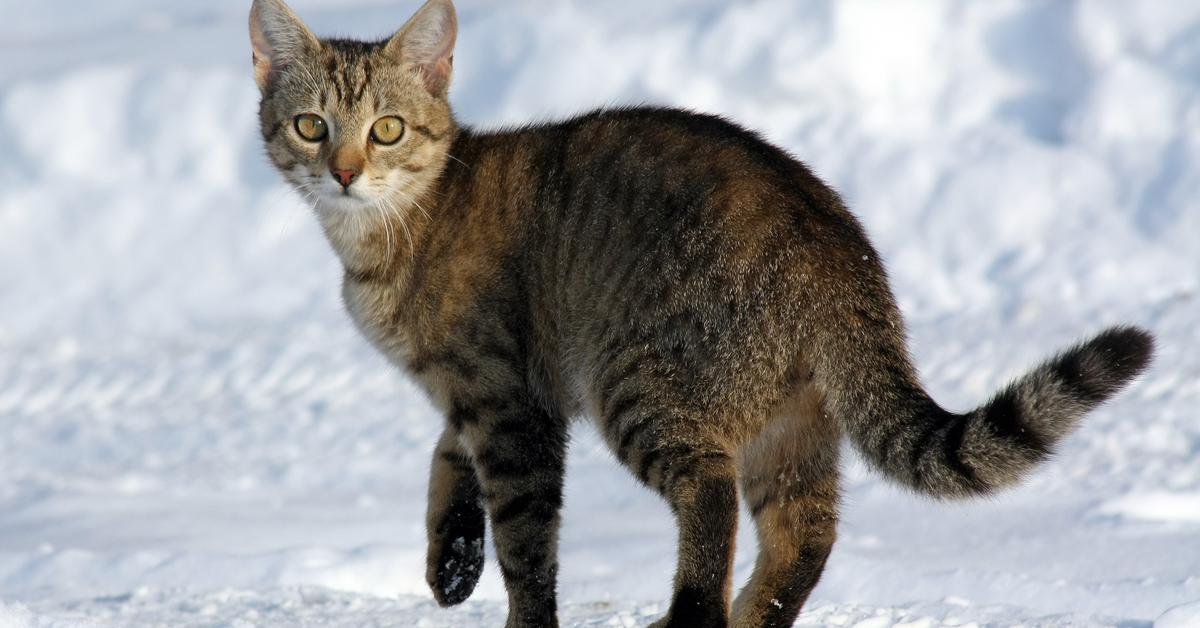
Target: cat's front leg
x=454, y=522
x=519, y=451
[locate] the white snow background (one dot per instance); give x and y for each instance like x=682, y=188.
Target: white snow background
x=191, y=434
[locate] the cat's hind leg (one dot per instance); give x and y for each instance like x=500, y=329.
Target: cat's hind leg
x=697, y=475
x=789, y=477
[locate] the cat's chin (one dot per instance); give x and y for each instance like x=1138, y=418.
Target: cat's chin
x=342, y=203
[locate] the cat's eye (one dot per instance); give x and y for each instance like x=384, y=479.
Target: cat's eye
x=311, y=127
x=387, y=130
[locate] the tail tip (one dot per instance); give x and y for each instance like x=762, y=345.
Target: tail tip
x=1105, y=364
x=1127, y=349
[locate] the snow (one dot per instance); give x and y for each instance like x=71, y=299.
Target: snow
x=191, y=434
x=1181, y=616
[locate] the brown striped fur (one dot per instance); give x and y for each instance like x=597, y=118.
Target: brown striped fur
x=697, y=292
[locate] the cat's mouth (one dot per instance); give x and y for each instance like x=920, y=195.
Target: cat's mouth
x=345, y=198
x=336, y=199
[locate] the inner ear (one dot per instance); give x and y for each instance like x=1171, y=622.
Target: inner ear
x=277, y=37
x=426, y=44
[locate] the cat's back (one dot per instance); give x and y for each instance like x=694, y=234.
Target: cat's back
x=635, y=146
x=645, y=168
x=636, y=172
x=689, y=195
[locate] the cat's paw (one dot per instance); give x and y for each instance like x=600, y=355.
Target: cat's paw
x=455, y=559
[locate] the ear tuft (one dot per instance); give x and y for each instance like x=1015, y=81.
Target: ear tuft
x=426, y=44
x=277, y=37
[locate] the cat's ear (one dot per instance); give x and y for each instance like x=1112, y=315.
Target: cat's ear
x=426, y=44
x=277, y=38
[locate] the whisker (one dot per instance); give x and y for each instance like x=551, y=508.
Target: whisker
x=387, y=227
x=447, y=154
x=277, y=197
x=412, y=249
x=412, y=200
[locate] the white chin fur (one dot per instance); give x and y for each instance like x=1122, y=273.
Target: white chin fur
x=343, y=202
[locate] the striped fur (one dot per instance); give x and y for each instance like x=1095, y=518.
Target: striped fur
x=697, y=292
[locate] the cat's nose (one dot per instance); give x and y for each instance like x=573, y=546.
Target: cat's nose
x=344, y=177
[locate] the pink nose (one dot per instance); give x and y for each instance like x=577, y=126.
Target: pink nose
x=345, y=177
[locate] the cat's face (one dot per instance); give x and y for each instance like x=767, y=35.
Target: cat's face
x=352, y=125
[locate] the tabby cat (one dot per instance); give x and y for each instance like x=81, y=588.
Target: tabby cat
x=698, y=293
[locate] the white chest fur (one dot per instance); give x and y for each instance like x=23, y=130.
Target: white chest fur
x=375, y=309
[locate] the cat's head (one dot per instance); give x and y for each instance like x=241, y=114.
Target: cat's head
x=352, y=124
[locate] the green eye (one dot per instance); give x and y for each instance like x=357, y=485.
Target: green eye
x=311, y=127
x=387, y=131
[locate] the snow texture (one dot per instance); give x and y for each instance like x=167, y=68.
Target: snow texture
x=191, y=434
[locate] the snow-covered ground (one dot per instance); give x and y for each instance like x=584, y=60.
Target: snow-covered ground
x=192, y=435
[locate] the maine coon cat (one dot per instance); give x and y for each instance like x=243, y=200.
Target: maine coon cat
x=694, y=291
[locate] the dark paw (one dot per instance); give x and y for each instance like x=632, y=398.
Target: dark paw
x=457, y=571
x=455, y=560
x=693, y=608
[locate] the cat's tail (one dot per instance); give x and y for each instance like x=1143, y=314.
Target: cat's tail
x=870, y=384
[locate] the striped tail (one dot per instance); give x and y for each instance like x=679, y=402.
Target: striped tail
x=870, y=384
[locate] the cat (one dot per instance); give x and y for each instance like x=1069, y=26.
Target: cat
x=695, y=291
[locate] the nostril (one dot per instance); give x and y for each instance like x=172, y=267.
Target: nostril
x=344, y=177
